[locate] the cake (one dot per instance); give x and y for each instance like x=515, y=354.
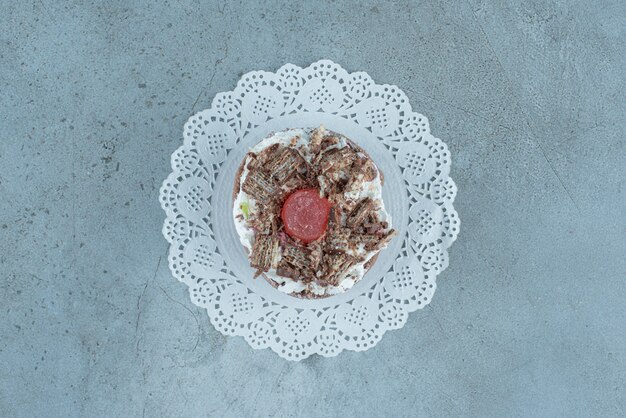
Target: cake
x=308, y=208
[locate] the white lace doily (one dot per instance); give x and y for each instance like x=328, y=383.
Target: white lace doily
x=205, y=252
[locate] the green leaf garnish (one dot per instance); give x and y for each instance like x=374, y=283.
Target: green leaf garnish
x=245, y=209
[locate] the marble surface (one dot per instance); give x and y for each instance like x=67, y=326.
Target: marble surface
x=528, y=320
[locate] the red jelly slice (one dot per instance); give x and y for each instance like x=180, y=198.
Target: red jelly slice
x=305, y=215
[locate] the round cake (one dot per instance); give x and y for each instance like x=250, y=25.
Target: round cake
x=308, y=208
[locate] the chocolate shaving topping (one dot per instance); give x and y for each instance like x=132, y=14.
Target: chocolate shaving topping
x=285, y=270
x=260, y=159
x=369, y=241
x=260, y=186
x=359, y=173
x=337, y=159
x=315, y=254
x=285, y=163
x=294, y=183
x=384, y=239
x=360, y=213
x=322, y=151
x=267, y=220
x=326, y=187
x=329, y=141
x=353, y=225
x=368, y=169
x=296, y=256
x=265, y=252
x=337, y=239
x=375, y=242
x=333, y=218
x=372, y=226
x=315, y=144
x=336, y=266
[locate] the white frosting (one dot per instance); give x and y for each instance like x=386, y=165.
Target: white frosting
x=372, y=189
x=246, y=234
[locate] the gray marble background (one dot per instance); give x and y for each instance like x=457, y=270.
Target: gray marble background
x=528, y=320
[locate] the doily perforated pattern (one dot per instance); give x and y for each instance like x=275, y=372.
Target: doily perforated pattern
x=205, y=253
